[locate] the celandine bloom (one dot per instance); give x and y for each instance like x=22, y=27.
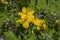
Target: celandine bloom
x=25, y=24
x=27, y=16
x=39, y=23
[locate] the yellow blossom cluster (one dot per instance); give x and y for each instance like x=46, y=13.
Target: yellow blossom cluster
x=27, y=16
x=40, y=23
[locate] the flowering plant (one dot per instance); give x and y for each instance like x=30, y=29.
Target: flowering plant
x=29, y=20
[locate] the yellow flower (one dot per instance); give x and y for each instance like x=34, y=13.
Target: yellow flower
x=42, y=21
x=29, y=21
x=37, y=22
x=44, y=25
x=22, y=15
x=27, y=16
x=24, y=10
x=26, y=25
x=38, y=28
x=30, y=12
x=30, y=17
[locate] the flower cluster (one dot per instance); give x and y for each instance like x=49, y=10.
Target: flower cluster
x=27, y=16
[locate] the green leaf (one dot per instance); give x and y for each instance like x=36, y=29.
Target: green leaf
x=32, y=37
x=10, y=36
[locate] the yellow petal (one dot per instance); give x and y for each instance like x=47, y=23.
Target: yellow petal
x=38, y=28
x=28, y=20
x=20, y=21
x=31, y=17
x=26, y=25
x=37, y=22
x=23, y=16
x=24, y=9
x=44, y=25
x=30, y=12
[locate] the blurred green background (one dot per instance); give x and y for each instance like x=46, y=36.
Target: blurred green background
x=9, y=30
